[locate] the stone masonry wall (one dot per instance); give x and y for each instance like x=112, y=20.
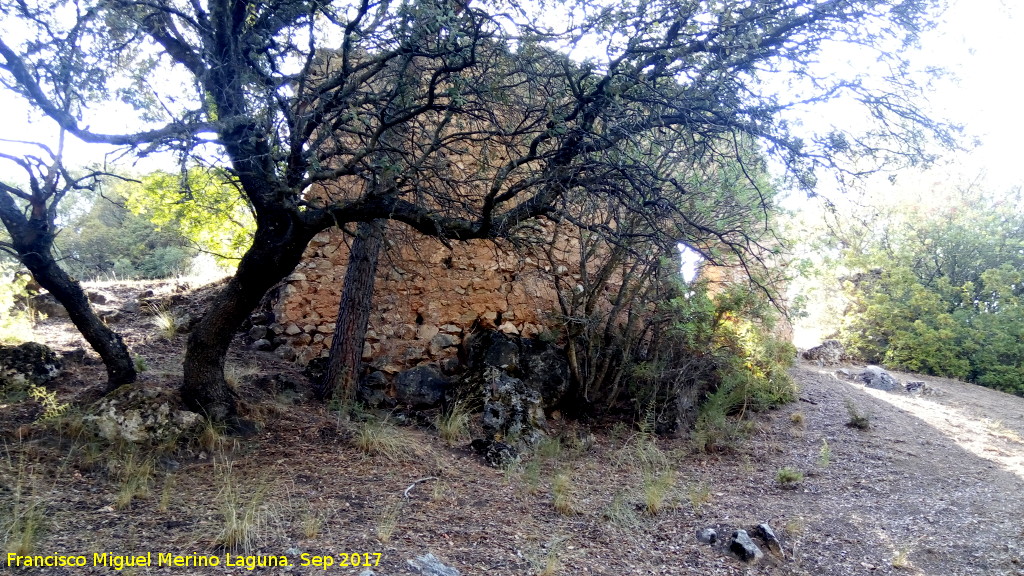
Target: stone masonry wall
x=427, y=297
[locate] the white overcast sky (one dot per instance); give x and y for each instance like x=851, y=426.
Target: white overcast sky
x=979, y=41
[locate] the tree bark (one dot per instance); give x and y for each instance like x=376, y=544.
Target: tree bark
x=353, y=314
x=32, y=239
x=275, y=252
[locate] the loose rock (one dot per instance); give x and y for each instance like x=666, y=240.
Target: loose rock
x=879, y=379
x=743, y=547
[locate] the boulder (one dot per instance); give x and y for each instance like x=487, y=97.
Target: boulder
x=511, y=408
x=877, y=378
x=495, y=454
x=489, y=348
x=422, y=386
x=829, y=352
x=28, y=363
x=48, y=305
x=372, y=390
x=546, y=370
x=744, y=548
x=143, y=415
x=765, y=533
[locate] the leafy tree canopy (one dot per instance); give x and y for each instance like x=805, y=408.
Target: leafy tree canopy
x=935, y=286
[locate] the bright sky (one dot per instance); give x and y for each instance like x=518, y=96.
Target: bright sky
x=979, y=41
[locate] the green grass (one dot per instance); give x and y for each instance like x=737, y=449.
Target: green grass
x=789, y=477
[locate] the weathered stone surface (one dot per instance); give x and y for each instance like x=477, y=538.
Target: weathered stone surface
x=143, y=415
x=495, y=454
x=257, y=332
x=28, y=363
x=877, y=378
x=286, y=353
x=707, y=535
x=421, y=386
x=48, y=305
x=829, y=352
x=441, y=341
x=489, y=348
x=425, y=289
x=744, y=548
x=511, y=408
x=765, y=533
x=428, y=565
x=372, y=391
x=546, y=370
x=262, y=344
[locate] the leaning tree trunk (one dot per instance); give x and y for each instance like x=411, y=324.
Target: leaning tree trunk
x=275, y=252
x=353, y=314
x=32, y=239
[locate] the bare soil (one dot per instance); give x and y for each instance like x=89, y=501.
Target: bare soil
x=934, y=486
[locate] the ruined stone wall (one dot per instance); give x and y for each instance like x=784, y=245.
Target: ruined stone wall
x=427, y=297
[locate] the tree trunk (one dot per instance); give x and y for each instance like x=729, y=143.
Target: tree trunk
x=353, y=314
x=107, y=343
x=32, y=239
x=272, y=256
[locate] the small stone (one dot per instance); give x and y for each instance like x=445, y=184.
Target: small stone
x=743, y=547
x=285, y=353
x=291, y=329
x=262, y=344
x=707, y=535
x=429, y=565
x=508, y=328
x=257, y=332
x=426, y=332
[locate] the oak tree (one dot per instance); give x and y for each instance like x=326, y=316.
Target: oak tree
x=296, y=100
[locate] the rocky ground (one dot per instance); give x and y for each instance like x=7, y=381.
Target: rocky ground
x=934, y=485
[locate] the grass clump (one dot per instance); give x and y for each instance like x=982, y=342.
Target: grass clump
x=620, y=512
x=383, y=439
x=136, y=475
x=165, y=321
x=453, y=424
x=699, y=494
x=858, y=419
x=656, y=491
x=242, y=512
x=824, y=454
x=388, y=521
x=22, y=518
x=789, y=477
x=563, y=496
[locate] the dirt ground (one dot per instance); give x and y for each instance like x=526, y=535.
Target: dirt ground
x=934, y=486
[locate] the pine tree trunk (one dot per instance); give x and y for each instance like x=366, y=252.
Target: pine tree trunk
x=353, y=314
x=32, y=239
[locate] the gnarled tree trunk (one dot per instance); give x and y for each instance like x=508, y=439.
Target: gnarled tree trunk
x=32, y=240
x=353, y=313
x=275, y=252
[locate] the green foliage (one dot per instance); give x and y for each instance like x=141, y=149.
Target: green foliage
x=15, y=323
x=717, y=352
x=105, y=239
x=939, y=291
x=204, y=206
x=789, y=477
x=153, y=228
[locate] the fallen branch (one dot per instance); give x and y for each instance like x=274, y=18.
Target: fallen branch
x=413, y=485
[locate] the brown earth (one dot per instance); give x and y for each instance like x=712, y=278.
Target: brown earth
x=934, y=486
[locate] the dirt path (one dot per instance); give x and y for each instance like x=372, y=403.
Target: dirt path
x=937, y=482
